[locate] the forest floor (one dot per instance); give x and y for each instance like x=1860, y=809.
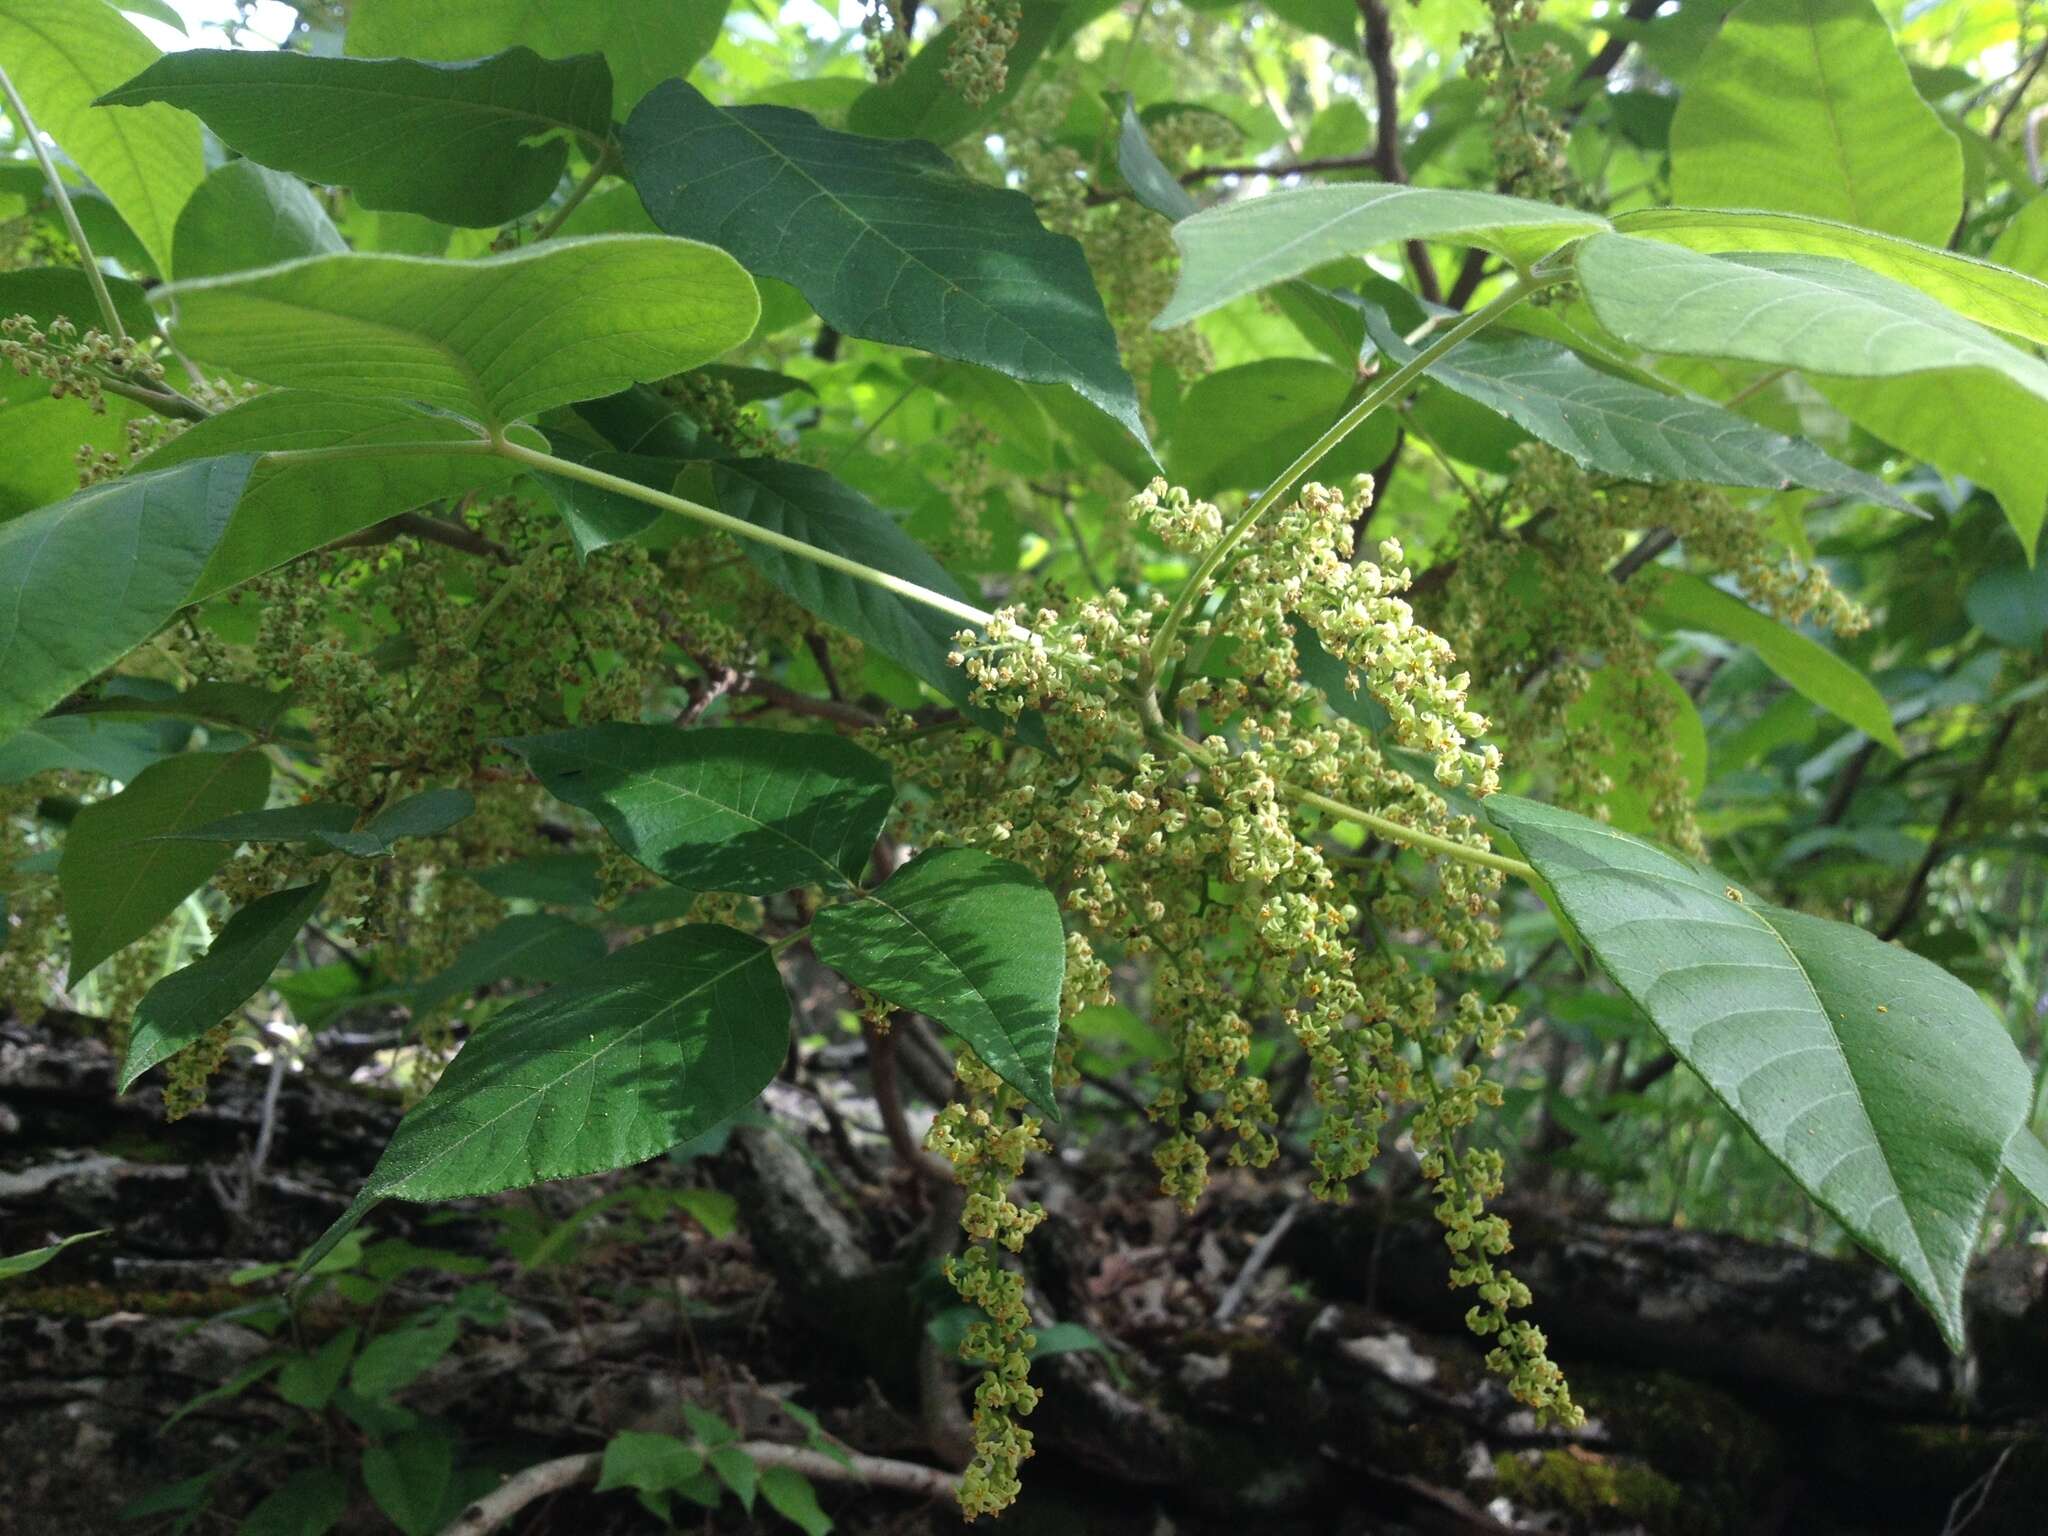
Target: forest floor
x=1266, y=1363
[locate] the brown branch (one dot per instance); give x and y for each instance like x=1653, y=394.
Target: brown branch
x=434, y=531
x=1938, y=845
x=1364, y=162
x=1386, y=85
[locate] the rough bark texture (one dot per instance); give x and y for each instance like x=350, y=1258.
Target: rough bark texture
x=1733, y=1387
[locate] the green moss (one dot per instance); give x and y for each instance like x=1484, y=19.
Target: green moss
x=1593, y=1488
x=96, y=1301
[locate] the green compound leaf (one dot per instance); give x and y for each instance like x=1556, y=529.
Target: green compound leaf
x=887, y=239
x=492, y=340
x=126, y=552
x=1815, y=313
x=1686, y=601
x=244, y=216
x=61, y=55
x=810, y=505
x=1870, y=340
x=189, y=1002
x=972, y=941
x=35, y=1258
x=748, y=811
x=474, y=144
x=2026, y=1164
x=290, y=507
x=1805, y=106
x=650, y=1046
x=421, y=815
x=1882, y=1084
x=644, y=41
x=117, y=882
x=1240, y=248
x=1979, y=290
x=1623, y=428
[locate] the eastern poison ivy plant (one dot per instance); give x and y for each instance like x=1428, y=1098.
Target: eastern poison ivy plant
x=455, y=494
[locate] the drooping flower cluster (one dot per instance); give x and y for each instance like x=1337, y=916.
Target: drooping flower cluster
x=1210, y=857
x=978, y=59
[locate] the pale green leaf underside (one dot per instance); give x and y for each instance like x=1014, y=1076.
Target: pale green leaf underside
x=644, y=41
x=126, y=552
x=1242, y=247
x=61, y=55
x=648, y=1047
x=291, y=507
x=1984, y=291
x=1806, y=106
x=1685, y=601
x=1882, y=1084
x=887, y=239
x=117, y=882
x=189, y=1002
x=474, y=144
x=1815, y=313
x=1625, y=428
x=493, y=340
x=749, y=811
x=972, y=941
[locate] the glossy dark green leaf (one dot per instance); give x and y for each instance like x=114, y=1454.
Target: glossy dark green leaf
x=1624, y=428
x=1883, y=1085
x=534, y=946
x=476, y=143
x=189, y=1002
x=290, y=508
x=887, y=240
x=2010, y=605
x=421, y=815
x=810, y=505
x=1239, y=248
x=111, y=749
x=246, y=215
x=973, y=942
x=741, y=810
x=648, y=1047
x=410, y=1477
x=494, y=339
x=117, y=882
x=643, y=41
x=127, y=552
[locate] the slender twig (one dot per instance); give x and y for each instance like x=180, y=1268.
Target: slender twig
x=93, y=275
x=600, y=167
x=1255, y=1262
x=1386, y=148
x=1938, y=846
x=165, y=402
x=2019, y=90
